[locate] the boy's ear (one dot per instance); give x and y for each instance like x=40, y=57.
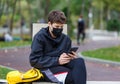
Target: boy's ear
x=49, y=23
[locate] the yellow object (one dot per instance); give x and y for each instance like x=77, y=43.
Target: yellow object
x=14, y=77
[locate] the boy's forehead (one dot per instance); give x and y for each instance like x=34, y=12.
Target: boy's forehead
x=58, y=24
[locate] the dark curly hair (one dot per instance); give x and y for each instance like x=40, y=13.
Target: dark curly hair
x=56, y=16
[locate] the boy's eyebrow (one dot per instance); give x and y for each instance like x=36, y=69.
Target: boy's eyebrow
x=58, y=26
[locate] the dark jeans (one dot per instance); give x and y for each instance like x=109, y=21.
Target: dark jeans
x=77, y=75
x=80, y=37
x=2, y=39
x=76, y=72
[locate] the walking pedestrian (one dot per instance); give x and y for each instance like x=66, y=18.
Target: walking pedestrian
x=81, y=30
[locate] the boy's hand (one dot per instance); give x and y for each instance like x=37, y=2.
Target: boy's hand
x=64, y=58
x=73, y=55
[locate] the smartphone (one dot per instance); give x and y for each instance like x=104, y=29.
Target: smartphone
x=73, y=49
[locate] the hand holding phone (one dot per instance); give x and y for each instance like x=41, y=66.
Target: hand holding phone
x=74, y=49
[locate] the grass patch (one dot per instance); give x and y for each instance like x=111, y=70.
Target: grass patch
x=3, y=72
x=14, y=43
x=112, y=53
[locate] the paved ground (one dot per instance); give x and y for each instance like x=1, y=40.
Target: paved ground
x=18, y=58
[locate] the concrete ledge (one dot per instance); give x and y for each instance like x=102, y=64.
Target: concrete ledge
x=88, y=82
x=2, y=81
x=43, y=83
x=111, y=63
x=103, y=82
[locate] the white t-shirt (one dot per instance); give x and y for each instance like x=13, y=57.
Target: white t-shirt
x=8, y=38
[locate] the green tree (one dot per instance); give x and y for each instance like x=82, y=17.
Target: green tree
x=13, y=13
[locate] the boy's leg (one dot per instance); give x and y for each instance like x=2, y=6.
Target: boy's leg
x=83, y=36
x=78, y=72
x=78, y=38
x=49, y=74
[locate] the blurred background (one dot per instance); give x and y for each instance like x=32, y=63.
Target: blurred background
x=102, y=28
x=101, y=16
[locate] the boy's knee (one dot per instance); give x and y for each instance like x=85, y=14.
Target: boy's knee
x=79, y=62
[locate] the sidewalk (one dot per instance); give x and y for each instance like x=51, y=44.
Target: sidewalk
x=18, y=58
x=99, y=70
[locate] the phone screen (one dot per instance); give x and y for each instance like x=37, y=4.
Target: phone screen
x=73, y=49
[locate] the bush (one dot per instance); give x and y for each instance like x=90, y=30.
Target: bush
x=113, y=25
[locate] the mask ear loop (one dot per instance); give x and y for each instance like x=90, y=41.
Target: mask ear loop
x=51, y=29
x=50, y=26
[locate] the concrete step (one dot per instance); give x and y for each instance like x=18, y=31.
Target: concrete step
x=103, y=82
x=43, y=83
x=90, y=82
x=2, y=81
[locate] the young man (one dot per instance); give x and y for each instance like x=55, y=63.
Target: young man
x=49, y=53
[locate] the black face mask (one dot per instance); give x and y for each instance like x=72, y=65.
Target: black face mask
x=57, y=31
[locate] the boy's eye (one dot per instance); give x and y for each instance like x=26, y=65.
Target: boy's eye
x=59, y=26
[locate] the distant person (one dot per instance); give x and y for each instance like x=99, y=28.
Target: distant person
x=22, y=23
x=5, y=25
x=81, y=30
x=2, y=38
x=8, y=37
x=42, y=20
